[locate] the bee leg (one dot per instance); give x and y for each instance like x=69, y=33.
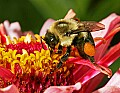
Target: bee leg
x=91, y=58
x=100, y=38
x=64, y=57
x=85, y=51
x=89, y=47
x=85, y=47
x=59, y=51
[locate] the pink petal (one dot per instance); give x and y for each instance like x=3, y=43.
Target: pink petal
x=111, y=56
x=113, y=86
x=9, y=89
x=108, y=89
x=93, y=83
x=70, y=14
x=111, y=34
x=63, y=89
x=110, y=22
x=115, y=80
x=2, y=29
x=13, y=29
x=80, y=70
x=15, y=26
x=107, y=22
x=88, y=75
x=46, y=26
x=5, y=73
x=2, y=33
x=80, y=61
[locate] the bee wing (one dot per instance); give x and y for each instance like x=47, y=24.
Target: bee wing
x=91, y=26
x=86, y=26
x=96, y=26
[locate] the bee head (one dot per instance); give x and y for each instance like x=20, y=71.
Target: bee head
x=51, y=39
x=59, y=32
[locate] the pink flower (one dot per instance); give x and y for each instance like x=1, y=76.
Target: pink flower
x=31, y=77
x=86, y=75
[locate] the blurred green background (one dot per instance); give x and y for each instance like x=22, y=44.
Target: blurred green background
x=33, y=13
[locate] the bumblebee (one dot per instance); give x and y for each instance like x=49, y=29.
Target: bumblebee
x=68, y=32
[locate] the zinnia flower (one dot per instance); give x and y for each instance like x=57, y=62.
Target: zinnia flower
x=27, y=64
x=103, y=56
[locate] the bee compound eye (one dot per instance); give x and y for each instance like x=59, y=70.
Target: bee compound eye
x=51, y=39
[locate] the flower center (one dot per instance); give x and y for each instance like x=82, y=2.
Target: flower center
x=33, y=65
